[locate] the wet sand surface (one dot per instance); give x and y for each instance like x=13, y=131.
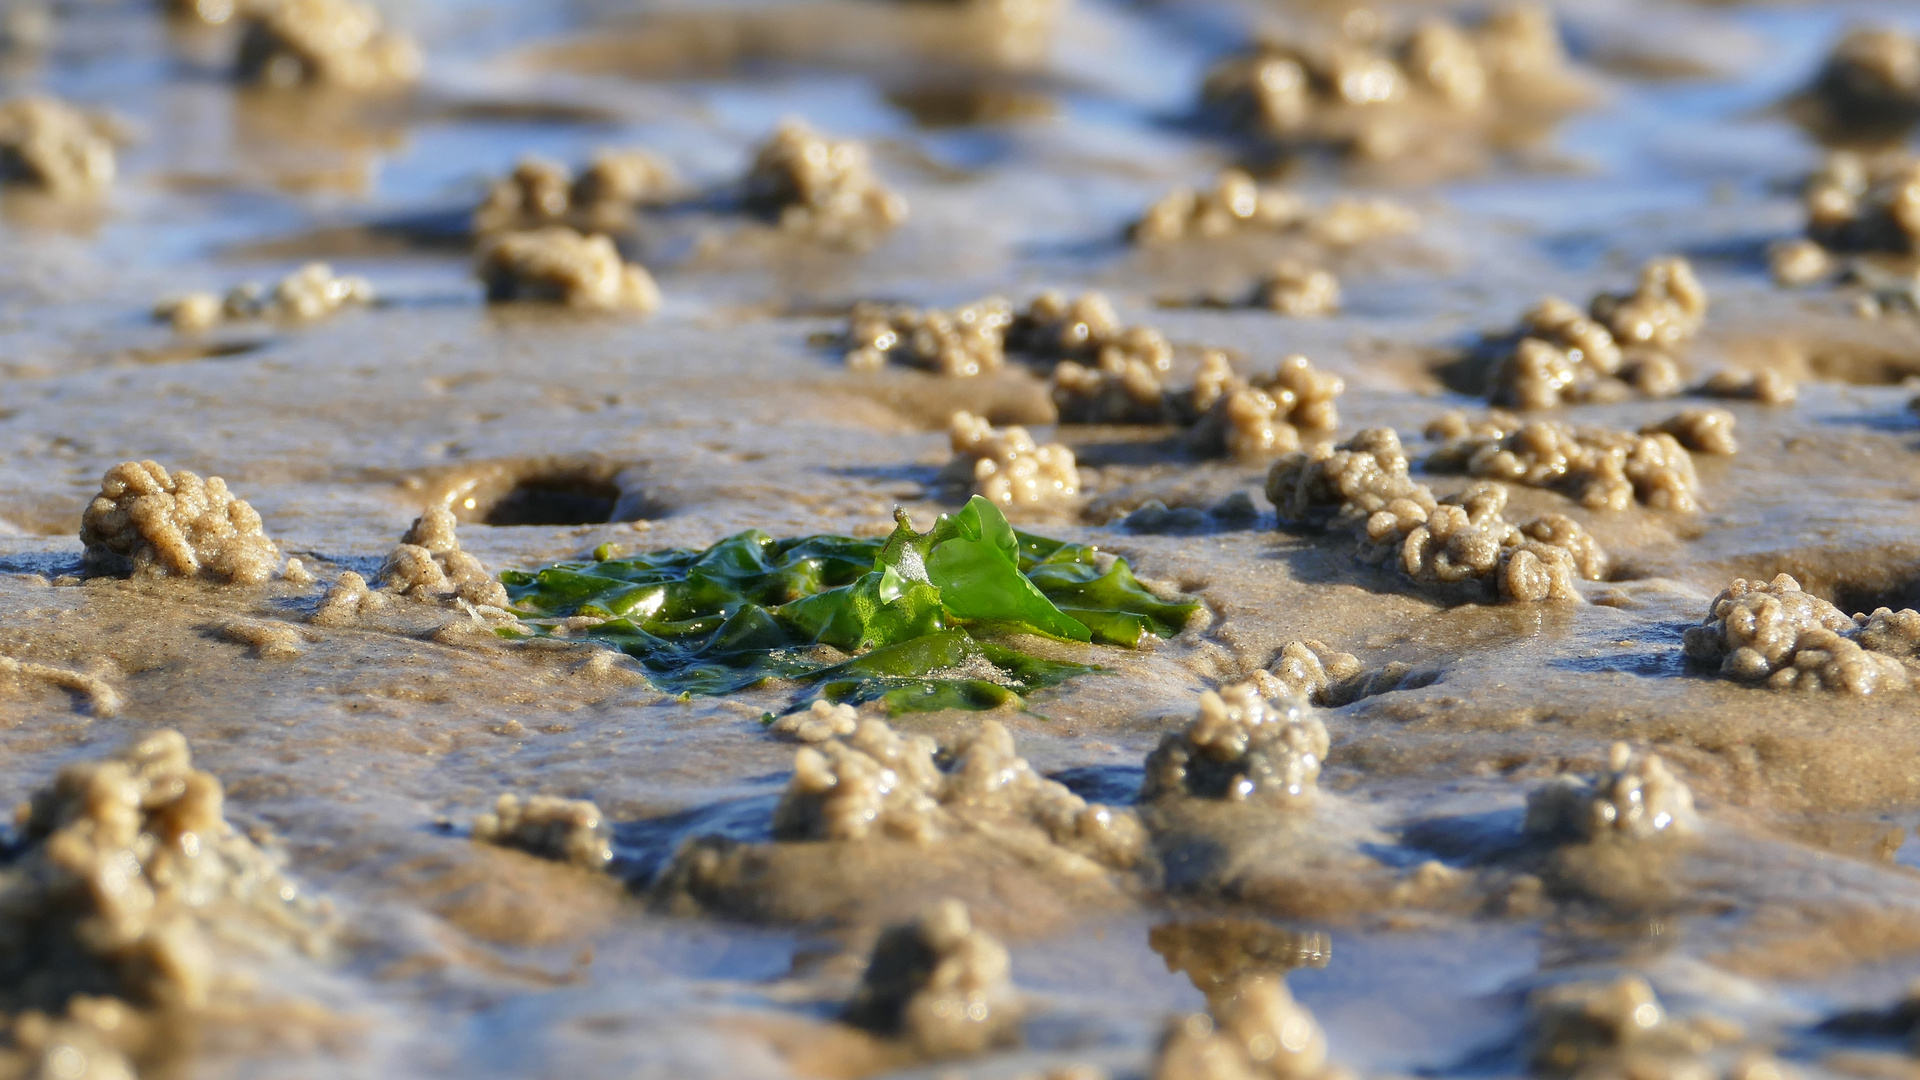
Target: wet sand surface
x=362, y=752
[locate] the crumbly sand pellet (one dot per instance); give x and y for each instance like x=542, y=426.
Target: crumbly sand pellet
x=602, y=197
x=822, y=188
x=126, y=865
x=338, y=43
x=1561, y=356
x=564, y=830
x=1602, y=468
x=1239, y=747
x=1363, y=485
x=1635, y=797
x=147, y=522
x=51, y=146
x=1774, y=633
x=556, y=265
x=1253, y=1029
x=428, y=564
x=1259, y=418
x=1382, y=99
x=817, y=723
x=1008, y=468
x=879, y=783
x=1293, y=288
x=960, y=342
x=310, y=293
x=941, y=985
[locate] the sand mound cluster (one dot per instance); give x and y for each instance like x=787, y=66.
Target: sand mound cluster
x=215, y=12
x=1008, y=468
x=1120, y=387
x=1253, y=1029
x=822, y=188
x=1708, y=430
x=958, y=342
x=1620, y=349
x=1257, y=418
x=1227, y=414
x=127, y=873
x=940, y=985
x=1464, y=540
x=1239, y=747
x=427, y=564
x=1666, y=307
x=1634, y=798
x=1298, y=290
x=601, y=198
x=90, y=1040
x=1738, y=384
x=817, y=723
x=1316, y=672
x=1380, y=97
x=1601, y=468
x=1237, y=203
x=335, y=43
x=310, y=293
x=1774, y=633
x=50, y=146
x=1857, y=203
x=1085, y=329
x=147, y=522
x=977, y=338
x=1620, y=1027
x=1106, y=372
x=564, y=830
x=556, y=265
x=1871, y=79
x=877, y=782
x=1345, y=484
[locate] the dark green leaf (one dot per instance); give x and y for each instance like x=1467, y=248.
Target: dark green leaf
x=1081, y=585
x=977, y=570
x=947, y=650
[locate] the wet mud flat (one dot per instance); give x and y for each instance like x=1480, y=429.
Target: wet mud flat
x=1367, y=810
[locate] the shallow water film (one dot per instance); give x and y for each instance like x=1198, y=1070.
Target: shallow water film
x=1066, y=539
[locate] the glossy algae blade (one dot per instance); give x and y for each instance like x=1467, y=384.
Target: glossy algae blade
x=914, y=621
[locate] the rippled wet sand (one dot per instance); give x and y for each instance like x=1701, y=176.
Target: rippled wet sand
x=366, y=755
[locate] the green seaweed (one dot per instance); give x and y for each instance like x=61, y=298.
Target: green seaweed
x=916, y=621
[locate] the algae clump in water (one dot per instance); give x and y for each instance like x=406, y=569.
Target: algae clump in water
x=917, y=620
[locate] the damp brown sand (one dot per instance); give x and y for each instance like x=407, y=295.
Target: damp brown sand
x=367, y=750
